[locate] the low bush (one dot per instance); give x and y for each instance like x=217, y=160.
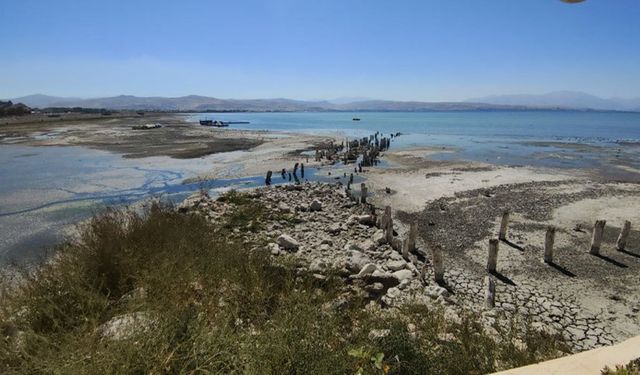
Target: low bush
x=215, y=304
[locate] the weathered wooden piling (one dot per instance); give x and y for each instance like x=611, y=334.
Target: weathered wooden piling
x=493, y=255
x=413, y=233
x=302, y=170
x=596, y=239
x=504, y=224
x=438, y=264
x=284, y=174
x=405, y=249
x=351, y=178
x=549, y=239
x=389, y=227
x=363, y=193
x=267, y=180
x=621, y=243
x=490, y=293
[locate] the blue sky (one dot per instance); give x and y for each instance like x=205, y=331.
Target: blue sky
x=304, y=49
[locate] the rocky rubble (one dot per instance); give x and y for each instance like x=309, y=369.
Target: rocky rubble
x=325, y=230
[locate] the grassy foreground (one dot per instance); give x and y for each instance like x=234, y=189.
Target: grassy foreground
x=213, y=306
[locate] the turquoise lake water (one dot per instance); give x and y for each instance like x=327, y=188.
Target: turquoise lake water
x=508, y=138
x=45, y=189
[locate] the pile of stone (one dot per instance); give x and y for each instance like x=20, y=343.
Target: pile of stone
x=328, y=231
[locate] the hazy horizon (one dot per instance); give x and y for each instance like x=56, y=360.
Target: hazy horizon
x=421, y=51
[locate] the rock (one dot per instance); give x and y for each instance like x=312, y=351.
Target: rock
x=368, y=220
x=273, y=248
x=315, y=205
x=124, y=326
x=393, y=292
x=288, y=243
x=387, y=279
x=396, y=265
x=402, y=275
x=379, y=237
x=356, y=261
x=368, y=245
x=375, y=288
x=283, y=207
x=368, y=269
x=317, y=266
x=334, y=228
x=136, y=294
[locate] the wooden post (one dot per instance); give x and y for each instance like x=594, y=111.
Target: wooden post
x=493, y=255
x=405, y=249
x=413, y=232
x=596, y=239
x=503, y=226
x=624, y=233
x=438, y=264
x=549, y=239
x=384, y=218
x=490, y=293
x=363, y=193
x=267, y=180
x=389, y=229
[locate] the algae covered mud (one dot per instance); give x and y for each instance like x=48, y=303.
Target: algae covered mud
x=89, y=164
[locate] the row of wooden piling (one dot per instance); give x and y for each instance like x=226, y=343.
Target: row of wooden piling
x=596, y=241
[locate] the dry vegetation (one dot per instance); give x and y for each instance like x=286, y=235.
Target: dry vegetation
x=211, y=303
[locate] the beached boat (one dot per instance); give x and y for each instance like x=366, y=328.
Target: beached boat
x=216, y=123
x=221, y=124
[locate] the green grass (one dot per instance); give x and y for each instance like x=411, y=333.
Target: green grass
x=219, y=308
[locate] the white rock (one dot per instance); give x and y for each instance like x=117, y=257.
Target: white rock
x=368, y=220
x=402, y=275
x=368, y=245
x=379, y=237
x=393, y=292
x=288, y=243
x=368, y=269
x=356, y=261
x=273, y=248
x=396, y=265
x=283, y=207
x=124, y=326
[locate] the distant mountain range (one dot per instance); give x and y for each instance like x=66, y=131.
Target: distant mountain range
x=194, y=103
x=563, y=99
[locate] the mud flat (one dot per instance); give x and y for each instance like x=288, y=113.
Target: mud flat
x=177, y=138
x=593, y=300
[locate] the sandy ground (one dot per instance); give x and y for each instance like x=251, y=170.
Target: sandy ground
x=592, y=300
x=414, y=179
